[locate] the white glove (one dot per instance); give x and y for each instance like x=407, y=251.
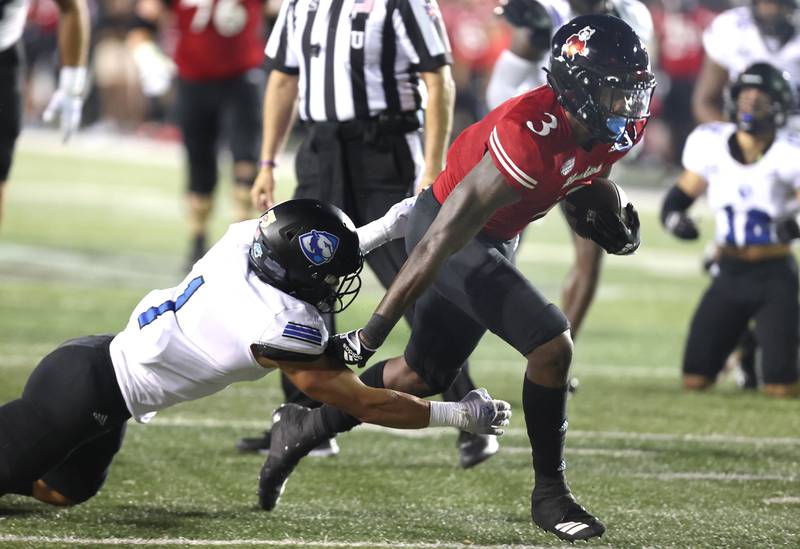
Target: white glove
x=387, y=228
x=67, y=101
x=155, y=69
x=477, y=413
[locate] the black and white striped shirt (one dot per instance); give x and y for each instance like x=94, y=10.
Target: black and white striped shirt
x=356, y=58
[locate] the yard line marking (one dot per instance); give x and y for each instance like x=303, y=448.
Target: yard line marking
x=782, y=500
x=70, y=540
x=583, y=451
x=438, y=432
x=738, y=477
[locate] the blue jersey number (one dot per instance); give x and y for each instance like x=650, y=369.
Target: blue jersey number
x=757, y=228
x=154, y=312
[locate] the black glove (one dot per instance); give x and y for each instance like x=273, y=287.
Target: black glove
x=681, y=225
x=614, y=235
x=787, y=229
x=349, y=348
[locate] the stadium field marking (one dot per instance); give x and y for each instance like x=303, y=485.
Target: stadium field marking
x=783, y=500
x=737, y=477
x=70, y=540
x=584, y=452
x=437, y=432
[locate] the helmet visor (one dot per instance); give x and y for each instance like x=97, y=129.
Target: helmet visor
x=629, y=104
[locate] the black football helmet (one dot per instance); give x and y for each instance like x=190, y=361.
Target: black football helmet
x=601, y=72
x=309, y=249
x=773, y=82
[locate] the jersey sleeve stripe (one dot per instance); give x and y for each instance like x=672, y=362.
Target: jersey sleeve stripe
x=276, y=49
x=520, y=176
x=426, y=25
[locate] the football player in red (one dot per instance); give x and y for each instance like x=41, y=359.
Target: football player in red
x=218, y=54
x=502, y=173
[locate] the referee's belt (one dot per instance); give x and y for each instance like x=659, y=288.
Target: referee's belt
x=385, y=123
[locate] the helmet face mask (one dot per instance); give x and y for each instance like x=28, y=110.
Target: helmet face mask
x=765, y=111
x=600, y=71
x=309, y=250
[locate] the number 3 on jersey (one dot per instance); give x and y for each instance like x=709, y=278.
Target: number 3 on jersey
x=228, y=17
x=154, y=312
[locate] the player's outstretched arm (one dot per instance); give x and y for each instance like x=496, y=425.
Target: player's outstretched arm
x=338, y=386
x=465, y=211
x=387, y=228
x=676, y=203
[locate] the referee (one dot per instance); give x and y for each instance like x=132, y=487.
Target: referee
x=353, y=69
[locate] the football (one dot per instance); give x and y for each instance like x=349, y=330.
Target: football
x=602, y=194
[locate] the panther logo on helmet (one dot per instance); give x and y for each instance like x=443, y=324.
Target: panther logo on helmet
x=319, y=246
x=578, y=43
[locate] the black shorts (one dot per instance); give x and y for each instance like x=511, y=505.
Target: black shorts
x=69, y=423
x=10, y=107
x=477, y=288
x=766, y=292
x=210, y=110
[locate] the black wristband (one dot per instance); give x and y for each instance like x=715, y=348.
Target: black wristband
x=675, y=201
x=376, y=331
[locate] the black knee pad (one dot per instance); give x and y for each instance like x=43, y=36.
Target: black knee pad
x=25, y=436
x=437, y=376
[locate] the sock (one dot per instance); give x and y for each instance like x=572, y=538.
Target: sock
x=333, y=420
x=546, y=418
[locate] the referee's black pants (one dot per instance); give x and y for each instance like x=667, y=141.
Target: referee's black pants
x=364, y=168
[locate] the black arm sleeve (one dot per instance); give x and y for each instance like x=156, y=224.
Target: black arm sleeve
x=280, y=355
x=675, y=201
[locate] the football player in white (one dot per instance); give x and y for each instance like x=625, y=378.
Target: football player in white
x=763, y=31
x=250, y=306
x=749, y=172
x=67, y=101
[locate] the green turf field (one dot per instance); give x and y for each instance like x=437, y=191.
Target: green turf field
x=86, y=236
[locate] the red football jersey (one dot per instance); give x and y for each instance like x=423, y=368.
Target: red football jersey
x=532, y=145
x=218, y=38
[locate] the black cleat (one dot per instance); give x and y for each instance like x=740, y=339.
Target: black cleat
x=474, y=449
x=563, y=516
x=292, y=438
x=326, y=448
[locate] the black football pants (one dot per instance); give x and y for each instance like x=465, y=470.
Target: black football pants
x=68, y=424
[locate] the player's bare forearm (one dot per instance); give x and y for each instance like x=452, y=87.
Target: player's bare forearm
x=708, y=92
x=279, y=108
x=465, y=211
x=340, y=387
x=438, y=119
x=73, y=32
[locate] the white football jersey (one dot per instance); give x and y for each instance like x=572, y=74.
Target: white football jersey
x=745, y=198
x=633, y=12
x=13, y=14
x=193, y=340
x=734, y=42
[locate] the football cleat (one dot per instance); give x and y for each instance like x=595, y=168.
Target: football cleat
x=563, y=516
x=474, y=449
x=292, y=438
x=326, y=448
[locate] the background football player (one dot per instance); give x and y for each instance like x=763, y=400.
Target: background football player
x=67, y=101
x=763, y=31
x=218, y=54
x=251, y=305
x=749, y=171
x=501, y=173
